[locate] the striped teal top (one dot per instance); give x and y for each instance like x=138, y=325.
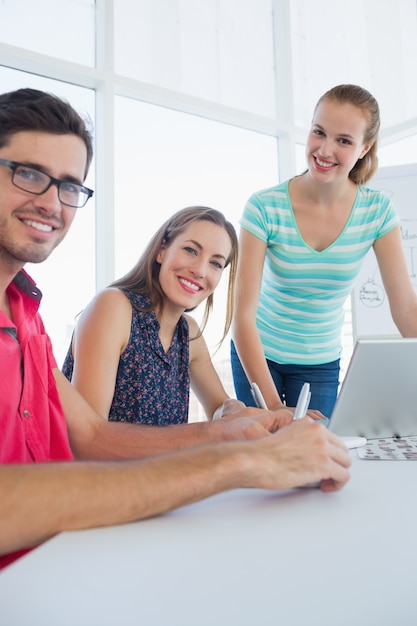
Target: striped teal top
x=301, y=305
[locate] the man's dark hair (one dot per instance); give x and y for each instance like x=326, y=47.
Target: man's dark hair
x=34, y=110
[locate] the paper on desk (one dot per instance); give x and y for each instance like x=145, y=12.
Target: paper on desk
x=390, y=449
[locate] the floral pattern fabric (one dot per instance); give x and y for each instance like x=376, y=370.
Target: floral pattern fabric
x=152, y=386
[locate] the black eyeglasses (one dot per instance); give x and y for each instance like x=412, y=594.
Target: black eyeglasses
x=34, y=181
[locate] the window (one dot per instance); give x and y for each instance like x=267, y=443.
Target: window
x=204, y=49
x=63, y=29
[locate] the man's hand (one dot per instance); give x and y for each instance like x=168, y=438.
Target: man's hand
x=243, y=422
x=300, y=454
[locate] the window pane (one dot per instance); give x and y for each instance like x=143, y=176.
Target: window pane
x=300, y=158
x=63, y=28
x=67, y=278
x=401, y=152
x=168, y=160
x=203, y=48
x=372, y=43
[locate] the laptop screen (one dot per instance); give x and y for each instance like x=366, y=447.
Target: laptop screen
x=378, y=397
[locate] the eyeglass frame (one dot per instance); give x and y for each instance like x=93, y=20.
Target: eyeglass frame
x=13, y=165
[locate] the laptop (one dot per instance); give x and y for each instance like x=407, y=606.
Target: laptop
x=378, y=396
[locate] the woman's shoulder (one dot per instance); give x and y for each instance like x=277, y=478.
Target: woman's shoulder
x=197, y=343
x=139, y=300
x=110, y=301
x=370, y=195
x=108, y=313
x=190, y=322
x=266, y=207
x=111, y=295
x=274, y=191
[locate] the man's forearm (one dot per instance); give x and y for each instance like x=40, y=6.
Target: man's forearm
x=112, y=440
x=69, y=496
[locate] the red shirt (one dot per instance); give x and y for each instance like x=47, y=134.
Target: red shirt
x=32, y=424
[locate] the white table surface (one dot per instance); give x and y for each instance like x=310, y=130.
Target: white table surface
x=245, y=557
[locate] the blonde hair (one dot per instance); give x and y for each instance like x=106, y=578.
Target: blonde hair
x=359, y=97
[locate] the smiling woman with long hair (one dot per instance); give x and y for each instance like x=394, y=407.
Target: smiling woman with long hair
x=135, y=349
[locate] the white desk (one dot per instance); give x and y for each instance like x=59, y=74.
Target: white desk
x=243, y=558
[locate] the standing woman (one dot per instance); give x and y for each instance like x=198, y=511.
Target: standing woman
x=135, y=350
x=301, y=247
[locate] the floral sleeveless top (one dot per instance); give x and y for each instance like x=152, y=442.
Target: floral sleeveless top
x=152, y=386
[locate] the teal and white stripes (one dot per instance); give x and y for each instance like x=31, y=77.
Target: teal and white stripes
x=300, y=313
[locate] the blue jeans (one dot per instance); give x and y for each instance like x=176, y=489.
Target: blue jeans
x=288, y=379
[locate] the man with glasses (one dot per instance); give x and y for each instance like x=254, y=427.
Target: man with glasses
x=34, y=181
x=45, y=154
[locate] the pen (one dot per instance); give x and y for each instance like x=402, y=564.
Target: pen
x=258, y=397
x=302, y=402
